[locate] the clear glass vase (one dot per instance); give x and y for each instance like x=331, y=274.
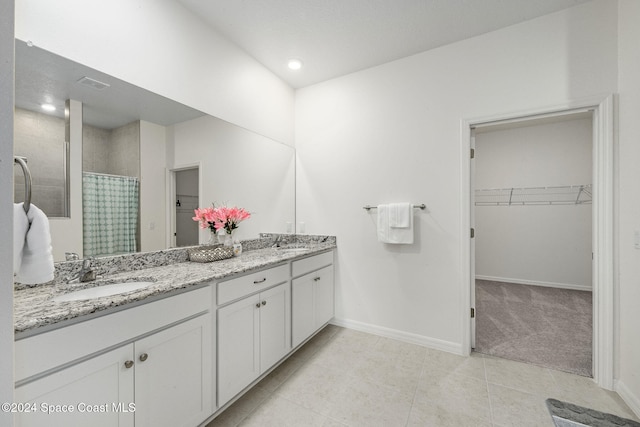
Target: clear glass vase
x=228, y=239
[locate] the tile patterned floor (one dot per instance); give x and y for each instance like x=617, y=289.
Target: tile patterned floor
x=349, y=378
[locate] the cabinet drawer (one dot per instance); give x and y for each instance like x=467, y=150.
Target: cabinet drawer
x=39, y=353
x=246, y=285
x=312, y=263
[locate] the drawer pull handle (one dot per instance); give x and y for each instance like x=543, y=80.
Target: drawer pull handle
x=316, y=279
x=128, y=364
x=143, y=357
x=255, y=282
x=258, y=305
x=264, y=303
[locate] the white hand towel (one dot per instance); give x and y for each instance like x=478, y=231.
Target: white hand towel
x=20, y=228
x=383, y=223
x=37, y=255
x=388, y=234
x=400, y=215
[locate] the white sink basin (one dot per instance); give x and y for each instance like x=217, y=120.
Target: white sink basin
x=292, y=250
x=102, y=291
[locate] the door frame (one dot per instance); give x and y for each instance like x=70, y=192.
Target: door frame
x=171, y=208
x=602, y=224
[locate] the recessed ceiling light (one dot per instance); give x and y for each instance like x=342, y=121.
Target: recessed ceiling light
x=294, y=64
x=48, y=107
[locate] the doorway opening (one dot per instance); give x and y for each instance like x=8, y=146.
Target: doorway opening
x=531, y=212
x=185, y=199
x=602, y=111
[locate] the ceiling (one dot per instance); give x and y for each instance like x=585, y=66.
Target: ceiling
x=338, y=37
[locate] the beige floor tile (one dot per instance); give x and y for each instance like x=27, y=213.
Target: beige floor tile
x=472, y=366
x=389, y=369
x=511, y=407
x=280, y=412
x=430, y=414
x=330, y=422
x=400, y=350
x=454, y=393
x=312, y=386
x=520, y=376
x=364, y=403
x=281, y=373
x=241, y=408
x=355, y=339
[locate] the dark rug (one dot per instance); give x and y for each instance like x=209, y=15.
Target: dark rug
x=569, y=415
x=544, y=326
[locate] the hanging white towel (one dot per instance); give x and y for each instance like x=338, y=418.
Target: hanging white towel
x=400, y=215
x=394, y=235
x=37, y=255
x=20, y=228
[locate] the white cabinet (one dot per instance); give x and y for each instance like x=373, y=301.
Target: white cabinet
x=96, y=392
x=150, y=379
x=172, y=372
x=312, y=303
x=253, y=334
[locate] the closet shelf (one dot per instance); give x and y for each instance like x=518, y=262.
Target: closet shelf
x=561, y=195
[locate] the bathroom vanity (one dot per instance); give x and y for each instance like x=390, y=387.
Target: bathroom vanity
x=174, y=353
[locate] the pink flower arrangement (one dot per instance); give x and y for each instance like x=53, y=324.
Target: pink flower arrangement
x=222, y=217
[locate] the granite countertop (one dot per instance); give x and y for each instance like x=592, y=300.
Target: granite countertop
x=34, y=307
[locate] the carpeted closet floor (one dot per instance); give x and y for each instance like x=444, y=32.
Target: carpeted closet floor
x=544, y=326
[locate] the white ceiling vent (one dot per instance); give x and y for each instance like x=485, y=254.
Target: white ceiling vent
x=88, y=81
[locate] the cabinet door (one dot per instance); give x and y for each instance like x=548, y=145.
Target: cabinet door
x=323, y=297
x=173, y=375
x=98, y=390
x=238, y=346
x=302, y=312
x=275, y=325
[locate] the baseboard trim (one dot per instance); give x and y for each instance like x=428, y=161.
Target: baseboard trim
x=536, y=283
x=629, y=398
x=434, y=343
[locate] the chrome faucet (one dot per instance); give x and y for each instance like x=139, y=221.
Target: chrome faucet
x=86, y=273
x=276, y=243
x=71, y=256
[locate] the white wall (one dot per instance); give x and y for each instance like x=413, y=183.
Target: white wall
x=6, y=207
x=392, y=133
x=548, y=245
x=153, y=170
x=629, y=203
x=160, y=46
x=240, y=168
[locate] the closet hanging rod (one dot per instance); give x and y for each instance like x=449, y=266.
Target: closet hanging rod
x=22, y=161
x=420, y=206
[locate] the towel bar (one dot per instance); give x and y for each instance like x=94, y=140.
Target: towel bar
x=22, y=161
x=420, y=206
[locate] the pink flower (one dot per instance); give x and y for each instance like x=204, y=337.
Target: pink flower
x=221, y=217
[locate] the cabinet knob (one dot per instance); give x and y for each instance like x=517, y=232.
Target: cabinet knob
x=128, y=364
x=264, y=303
x=255, y=282
x=258, y=305
x=143, y=357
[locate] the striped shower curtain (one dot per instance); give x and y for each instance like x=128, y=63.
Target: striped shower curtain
x=110, y=214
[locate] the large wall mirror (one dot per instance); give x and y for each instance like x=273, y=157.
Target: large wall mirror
x=139, y=142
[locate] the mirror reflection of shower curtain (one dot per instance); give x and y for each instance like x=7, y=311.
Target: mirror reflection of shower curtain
x=110, y=214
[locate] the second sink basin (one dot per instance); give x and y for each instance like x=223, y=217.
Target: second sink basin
x=292, y=250
x=102, y=291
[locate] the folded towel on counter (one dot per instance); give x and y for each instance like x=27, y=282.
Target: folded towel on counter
x=20, y=228
x=389, y=234
x=400, y=215
x=36, y=264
